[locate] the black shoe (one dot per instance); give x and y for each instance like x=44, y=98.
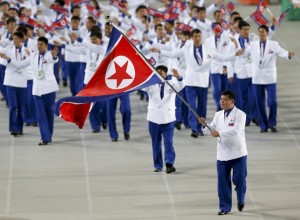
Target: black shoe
x=20, y=133
x=247, y=124
x=222, y=213
x=263, y=130
x=255, y=121
x=187, y=126
x=104, y=126
x=273, y=129
x=126, y=136
x=171, y=170
x=157, y=170
x=43, y=143
x=194, y=134
x=14, y=133
x=114, y=139
x=65, y=83
x=2, y=99
x=34, y=124
x=178, y=126
x=240, y=207
x=96, y=131
x=201, y=134
x=27, y=124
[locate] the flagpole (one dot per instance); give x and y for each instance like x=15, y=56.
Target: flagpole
x=154, y=70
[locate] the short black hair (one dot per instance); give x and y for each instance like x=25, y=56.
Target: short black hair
x=238, y=19
x=19, y=35
x=75, y=18
x=10, y=20
x=229, y=93
x=14, y=9
x=74, y=7
x=108, y=24
x=243, y=24
x=200, y=9
x=60, y=2
x=158, y=25
x=186, y=33
x=44, y=40
x=140, y=7
x=195, y=31
x=234, y=13
x=97, y=34
x=265, y=27
x=95, y=28
x=216, y=11
x=90, y=18
x=22, y=29
x=20, y=11
x=162, y=67
x=4, y=3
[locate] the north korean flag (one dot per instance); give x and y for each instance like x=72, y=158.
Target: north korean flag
x=60, y=24
x=123, y=70
x=93, y=11
x=259, y=19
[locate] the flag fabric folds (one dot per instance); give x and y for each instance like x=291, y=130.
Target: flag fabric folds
x=123, y=70
x=258, y=16
x=176, y=6
x=93, y=11
x=60, y=24
x=282, y=16
x=162, y=15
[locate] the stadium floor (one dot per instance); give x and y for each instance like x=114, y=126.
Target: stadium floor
x=82, y=175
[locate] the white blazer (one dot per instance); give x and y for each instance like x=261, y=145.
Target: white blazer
x=223, y=48
x=231, y=143
x=264, y=69
x=45, y=84
x=162, y=111
x=195, y=75
x=94, y=54
x=14, y=75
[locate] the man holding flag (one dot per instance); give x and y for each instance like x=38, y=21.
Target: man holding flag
x=161, y=117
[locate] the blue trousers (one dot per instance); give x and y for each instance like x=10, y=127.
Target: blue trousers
x=157, y=132
x=260, y=97
x=75, y=76
x=246, y=98
x=44, y=114
x=17, y=102
x=239, y=174
x=30, y=111
x=98, y=115
x=219, y=82
x=82, y=74
x=182, y=110
x=2, y=87
x=197, y=98
x=111, y=115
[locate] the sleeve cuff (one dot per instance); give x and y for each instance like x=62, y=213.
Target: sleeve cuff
x=273, y=27
x=63, y=46
x=9, y=60
x=180, y=78
x=80, y=39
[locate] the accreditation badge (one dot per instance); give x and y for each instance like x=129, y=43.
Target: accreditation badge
x=19, y=71
x=41, y=74
x=92, y=66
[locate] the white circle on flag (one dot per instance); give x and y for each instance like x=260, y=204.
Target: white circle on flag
x=167, y=16
x=62, y=22
x=122, y=79
x=25, y=19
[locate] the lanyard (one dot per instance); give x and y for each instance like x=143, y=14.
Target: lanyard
x=18, y=54
x=40, y=61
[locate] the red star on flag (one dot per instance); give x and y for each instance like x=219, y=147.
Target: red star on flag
x=120, y=74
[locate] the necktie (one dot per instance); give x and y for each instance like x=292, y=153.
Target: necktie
x=261, y=50
x=198, y=56
x=245, y=43
x=217, y=42
x=162, y=90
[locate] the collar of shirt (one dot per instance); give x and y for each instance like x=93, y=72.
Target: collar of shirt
x=227, y=112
